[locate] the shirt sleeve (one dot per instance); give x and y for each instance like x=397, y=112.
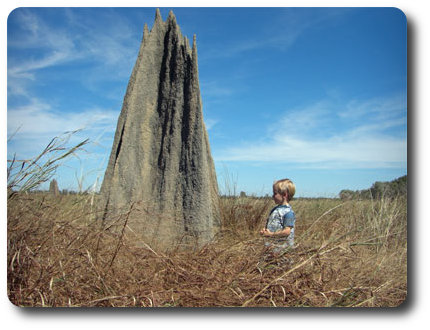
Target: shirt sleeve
x=289, y=219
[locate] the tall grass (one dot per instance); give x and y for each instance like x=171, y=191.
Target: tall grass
x=348, y=254
x=25, y=175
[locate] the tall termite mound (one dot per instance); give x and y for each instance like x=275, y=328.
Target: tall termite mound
x=161, y=160
x=53, y=188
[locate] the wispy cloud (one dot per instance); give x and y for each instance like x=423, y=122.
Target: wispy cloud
x=52, y=45
x=315, y=137
x=105, y=52
x=27, y=69
x=286, y=27
x=105, y=47
x=337, y=152
x=40, y=118
x=379, y=108
x=36, y=123
x=210, y=122
x=215, y=89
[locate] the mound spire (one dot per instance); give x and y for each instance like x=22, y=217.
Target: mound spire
x=160, y=159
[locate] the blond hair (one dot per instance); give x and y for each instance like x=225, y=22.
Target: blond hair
x=285, y=186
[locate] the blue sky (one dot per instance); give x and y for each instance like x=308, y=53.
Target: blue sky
x=317, y=95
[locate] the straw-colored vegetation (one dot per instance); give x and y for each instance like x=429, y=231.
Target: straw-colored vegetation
x=349, y=254
x=24, y=175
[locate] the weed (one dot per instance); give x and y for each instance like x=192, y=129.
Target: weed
x=348, y=253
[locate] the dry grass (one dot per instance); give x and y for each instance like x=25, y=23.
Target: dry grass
x=348, y=254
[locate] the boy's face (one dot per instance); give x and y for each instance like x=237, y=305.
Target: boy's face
x=278, y=198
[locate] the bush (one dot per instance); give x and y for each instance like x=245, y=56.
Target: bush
x=397, y=187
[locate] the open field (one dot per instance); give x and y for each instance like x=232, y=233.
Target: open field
x=348, y=254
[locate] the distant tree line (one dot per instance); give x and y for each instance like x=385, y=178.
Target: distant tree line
x=379, y=190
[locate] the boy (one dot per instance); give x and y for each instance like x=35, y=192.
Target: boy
x=279, y=229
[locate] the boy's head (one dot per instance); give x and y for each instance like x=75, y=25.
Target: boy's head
x=285, y=186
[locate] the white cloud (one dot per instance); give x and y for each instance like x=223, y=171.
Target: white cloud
x=38, y=118
x=337, y=152
x=107, y=53
x=377, y=108
x=26, y=69
x=111, y=49
x=36, y=123
x=209, y=123
x=314, y=137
